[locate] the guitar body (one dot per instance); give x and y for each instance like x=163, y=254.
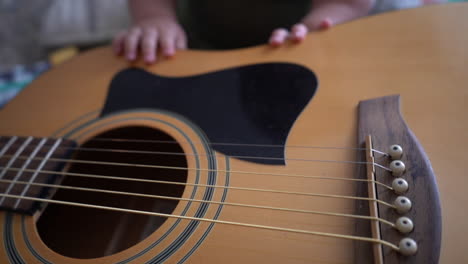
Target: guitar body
x=419, y=54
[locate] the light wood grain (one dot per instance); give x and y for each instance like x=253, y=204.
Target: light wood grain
x=420, y=54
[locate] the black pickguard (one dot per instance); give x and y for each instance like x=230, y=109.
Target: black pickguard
x=255, y=104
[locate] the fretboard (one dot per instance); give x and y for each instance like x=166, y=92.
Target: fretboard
x=26, y=163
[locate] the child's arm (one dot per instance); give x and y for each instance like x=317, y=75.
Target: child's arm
x=154, y=27
x=324, y=14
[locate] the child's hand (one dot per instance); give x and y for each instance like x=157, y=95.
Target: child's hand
x=323, y=15
x=149, y=35
x=297, y=34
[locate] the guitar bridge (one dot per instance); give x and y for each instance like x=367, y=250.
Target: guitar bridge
x=402, y=189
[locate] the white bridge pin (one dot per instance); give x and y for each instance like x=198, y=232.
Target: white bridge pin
x=402, y=204
x=404, y=225
x=397, y=167
x=408, y=246
x=395, y=152
x=400, y=186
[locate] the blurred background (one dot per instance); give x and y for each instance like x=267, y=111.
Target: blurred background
x=35, y=35
x=31, y=29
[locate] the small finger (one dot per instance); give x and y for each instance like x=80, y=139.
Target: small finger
x=278, y=37
x=298, y=32
x=181, y=41
x=118, y=43
x=131, y=43
x=168, y=45
x=326, y=24
x=149, y=45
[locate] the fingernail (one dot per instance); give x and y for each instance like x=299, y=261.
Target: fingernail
x=326, y=24
x=297, y=37
x=275, y=43
x=131, y=56
x=297, y=40
x=149, y=59
x=169, y=53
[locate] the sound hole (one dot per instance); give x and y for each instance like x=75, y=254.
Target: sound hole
x=89, y=233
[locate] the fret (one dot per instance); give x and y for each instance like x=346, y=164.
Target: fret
x=38, y=169
x=7, y=146
x=24, y=159
x=15, y=156
x=25, y=165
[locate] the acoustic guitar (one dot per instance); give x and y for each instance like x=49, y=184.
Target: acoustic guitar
x=348, y=148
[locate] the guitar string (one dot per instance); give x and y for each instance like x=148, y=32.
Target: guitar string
x=247, y=225
x=107, y=163
x=239, y=172
x=8, y=144
x=68, y=187
x=24, y=166
x=220, y=187
x=233, y=144
x=274, y=175
x=220, y=143
x=193, y=169
x=39, y=167
x=201, y=169
x=273, y=228
x=215, y=155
